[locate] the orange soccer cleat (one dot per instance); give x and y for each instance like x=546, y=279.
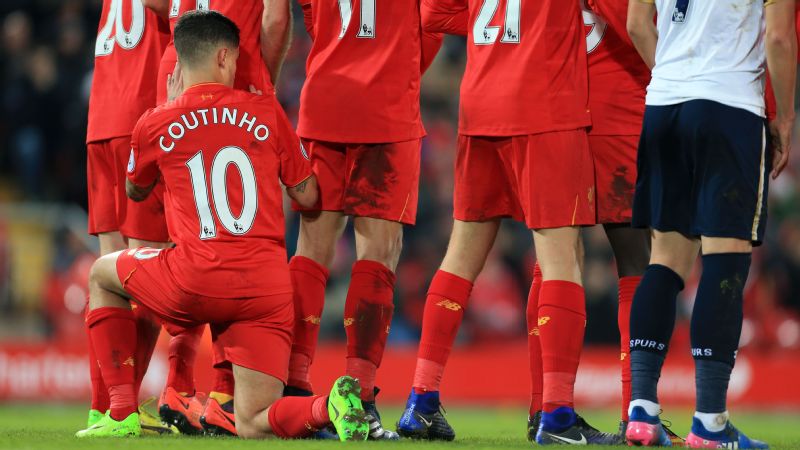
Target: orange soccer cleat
x=218, y=420
x=182, y=411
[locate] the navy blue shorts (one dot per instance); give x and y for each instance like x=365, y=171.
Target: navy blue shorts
x=703, y=171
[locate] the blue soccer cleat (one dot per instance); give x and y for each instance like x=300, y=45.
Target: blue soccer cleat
x=730, y=437
x=423, y=418
x=564, y=427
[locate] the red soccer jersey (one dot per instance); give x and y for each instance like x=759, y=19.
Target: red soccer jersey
x=618, y=76
x=130, y=41
x=526, y=65
x=363, y=72
x=221, y=154
x=246, y=14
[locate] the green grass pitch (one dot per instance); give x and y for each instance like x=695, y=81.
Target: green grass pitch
x=52, y=427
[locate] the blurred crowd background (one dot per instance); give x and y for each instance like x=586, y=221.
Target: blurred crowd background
x=45, y=74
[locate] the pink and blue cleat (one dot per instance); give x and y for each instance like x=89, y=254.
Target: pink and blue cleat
x=730, y=437
x=646, y=430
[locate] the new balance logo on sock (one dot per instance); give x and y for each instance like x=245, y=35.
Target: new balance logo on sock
x=449, y=304
x=348, y=321
x=543, y=320
x=312, y=319
x=534, y=331
x=647, y=343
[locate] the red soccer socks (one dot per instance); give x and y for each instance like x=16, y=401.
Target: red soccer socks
x=561, y=324
x=367, y=316
x=113, y=336
x=308, y=281
x=295, y=417
x=534, y=345
x=627, y=287
x=447, y=298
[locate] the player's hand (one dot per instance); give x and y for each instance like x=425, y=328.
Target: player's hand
x=253, y=90
x=780, y=131
x=175, y=83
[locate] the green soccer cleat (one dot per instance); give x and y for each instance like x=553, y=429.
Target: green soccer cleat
x=94, y=417
x=346, y=411
x=108, y=427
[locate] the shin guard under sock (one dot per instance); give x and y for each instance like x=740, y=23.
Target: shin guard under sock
x=717, y=325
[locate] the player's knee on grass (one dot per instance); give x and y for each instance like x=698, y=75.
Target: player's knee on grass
x=254, y=393
x=105, y=288
x=560, y=253
x=631, y=247
x=379, y=240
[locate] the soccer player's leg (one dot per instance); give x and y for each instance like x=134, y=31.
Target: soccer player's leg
x=320, y=229
x=380, y=192
x=534, y=354
x=615, y=178
x=145, y=226
x=661, y=202
x=481, y=198
x=556, y=198
x=113, y=330
x=106, y=188
x=731, y=180
x=252, y=326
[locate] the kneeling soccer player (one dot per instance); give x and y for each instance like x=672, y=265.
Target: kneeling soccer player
x=221, y=154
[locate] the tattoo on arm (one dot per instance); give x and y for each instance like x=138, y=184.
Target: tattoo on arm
x=302, y=186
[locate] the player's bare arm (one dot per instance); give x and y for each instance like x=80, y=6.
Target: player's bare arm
x=449, y=17
x=137, y=193
x=276, y=27
x=642, y=29
x=781, y=47
x=305, y=193
x=160, y=7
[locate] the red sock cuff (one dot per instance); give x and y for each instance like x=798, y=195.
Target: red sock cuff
x=375, y=269
x=453, y=287
x=537, y=271
x=311, y=267
x=107, y=312
x=627, y=287
x=564, y=295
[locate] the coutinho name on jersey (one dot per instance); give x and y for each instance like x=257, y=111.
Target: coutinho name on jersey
x=211, y=116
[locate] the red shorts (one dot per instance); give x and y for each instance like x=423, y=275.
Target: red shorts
x=105, y=170
x=145, y=220
x=255, y=333
x=367, y=180
x=545, y=180
x=614, y=176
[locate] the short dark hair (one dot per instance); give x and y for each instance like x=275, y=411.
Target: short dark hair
x=200, y=32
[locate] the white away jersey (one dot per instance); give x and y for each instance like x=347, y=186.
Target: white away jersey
x=710, y=50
